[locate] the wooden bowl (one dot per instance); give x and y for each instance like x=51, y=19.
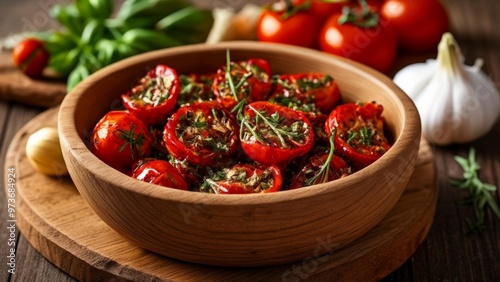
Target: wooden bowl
x=240, y=230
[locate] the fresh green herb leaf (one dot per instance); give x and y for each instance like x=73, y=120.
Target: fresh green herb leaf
x=325, y=168
x=479, y=192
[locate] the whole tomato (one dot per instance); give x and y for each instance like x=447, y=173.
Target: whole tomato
x=284, y=22
x=324, y=8
x=361, y=36
x=120, y=139
x=419, y=25
x=359, y=133
x=30, y=56
x=159, y=172
x=245, y=179
x=273, y=134
x=155, y=96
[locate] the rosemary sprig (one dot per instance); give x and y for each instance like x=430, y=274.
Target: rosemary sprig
x=325, y=168
x=479, y=192
x=271, y=122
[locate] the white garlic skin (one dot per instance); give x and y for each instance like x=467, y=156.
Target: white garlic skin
x=43, y=151
x=456, y=103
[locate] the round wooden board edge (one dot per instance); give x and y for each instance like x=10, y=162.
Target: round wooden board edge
x=381, y=264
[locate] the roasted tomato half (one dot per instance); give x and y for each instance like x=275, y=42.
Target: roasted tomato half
x=359, y=132
x=155, y=96
x=195, y=88
x=273, y=134
x=159, y=172
x=120, y=139
x=320, y=168
x=251, y=80
x=307, y=92
x=201, y=132
x=244, y=179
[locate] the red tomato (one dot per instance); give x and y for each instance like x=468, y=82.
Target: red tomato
x=373, y=46
x=419, y=25
x=281, y=23
x=193, y=174
x=159, y=172
x=261, y=64
x=310, y=174
x=119, y=139
x=245, y=179
x=30, y=56
x=373, y=4
x=155, y=96
x=201, y=132
x=256, y=82
x=324, y=8
x=273, y=134
x=360, y=134
x=307, y=92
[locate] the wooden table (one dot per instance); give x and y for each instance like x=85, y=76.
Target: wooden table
x=448, y=254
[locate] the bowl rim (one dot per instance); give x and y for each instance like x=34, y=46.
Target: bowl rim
x=70, y=139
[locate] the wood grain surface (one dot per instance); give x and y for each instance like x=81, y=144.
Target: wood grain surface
x=15, y=86
x=447, y=254
x=58, y=222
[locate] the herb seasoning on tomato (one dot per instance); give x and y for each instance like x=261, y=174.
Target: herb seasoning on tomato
x=321, y=168
x=155, y=96
x=359, y=132
x=185, y=131
x=307, y=92
x=273, y=134
x=244, y=179
x=119, y=139
x=201, y=132
x=195, y=88
x=251, y=80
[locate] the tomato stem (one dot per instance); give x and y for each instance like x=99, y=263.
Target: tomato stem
x=131, y=140
x=288, y=9
x=366, y=19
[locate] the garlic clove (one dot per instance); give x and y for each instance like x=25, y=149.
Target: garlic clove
x=43, y=151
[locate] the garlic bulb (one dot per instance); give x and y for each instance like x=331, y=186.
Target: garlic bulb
x=44, y=152
x=229, y=25
x=456, y=103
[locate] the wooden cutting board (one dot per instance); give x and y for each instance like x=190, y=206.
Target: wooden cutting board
x=15, y=86
x=61, y=226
